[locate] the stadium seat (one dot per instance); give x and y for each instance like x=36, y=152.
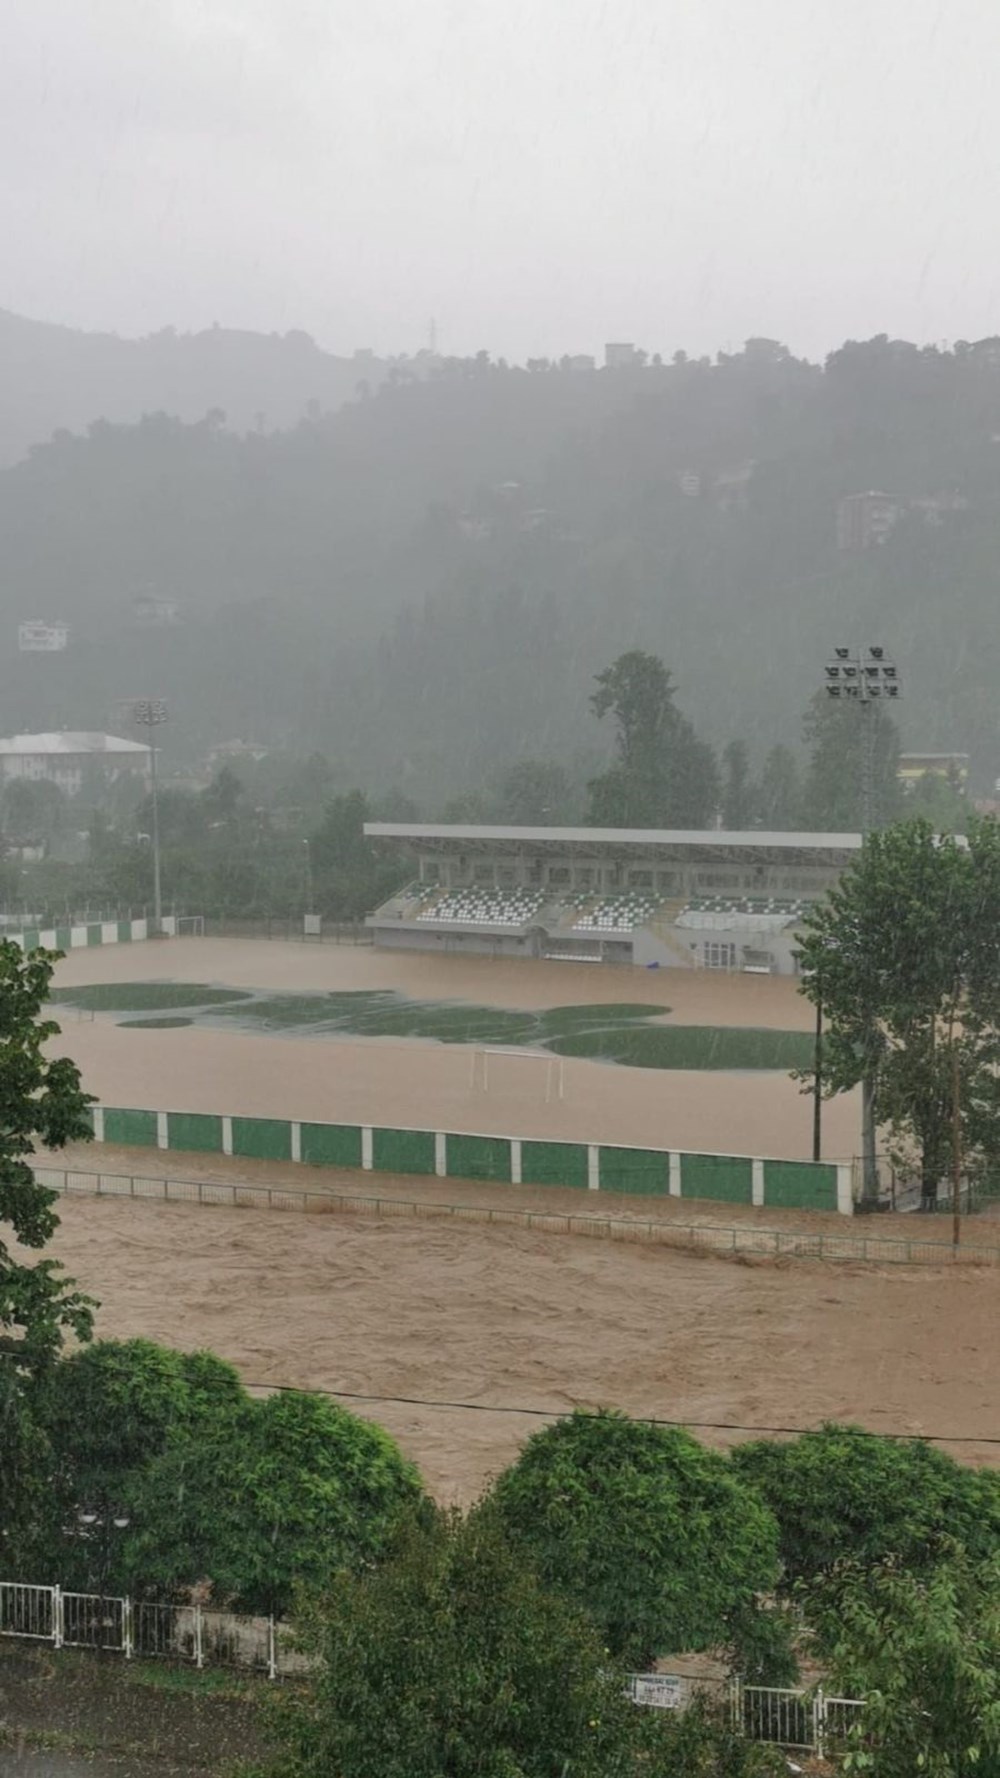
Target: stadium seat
x=486, y=906
x=617, y=913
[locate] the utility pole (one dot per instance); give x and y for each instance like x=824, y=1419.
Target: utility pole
x=956, y=1147
x=149, y=713
x=864, y=678
x=818, y=1084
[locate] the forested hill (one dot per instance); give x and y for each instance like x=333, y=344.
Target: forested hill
x=422, y=583
x=53, y=377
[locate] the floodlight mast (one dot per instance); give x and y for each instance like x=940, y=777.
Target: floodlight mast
x=149, y=713
x=864, y=677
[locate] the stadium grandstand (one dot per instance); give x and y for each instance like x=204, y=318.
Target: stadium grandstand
x=680, y=900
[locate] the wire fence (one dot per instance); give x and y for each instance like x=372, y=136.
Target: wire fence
x=700, y=1237
x=194, y=1634
x=287, y=927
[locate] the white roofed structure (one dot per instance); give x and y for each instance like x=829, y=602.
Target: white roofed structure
x=63, y=756
x=688, y=897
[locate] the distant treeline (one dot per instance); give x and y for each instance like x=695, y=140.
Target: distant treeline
x=422, y=584
x=280, y=836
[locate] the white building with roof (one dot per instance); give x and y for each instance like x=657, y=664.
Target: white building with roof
x=64, y=758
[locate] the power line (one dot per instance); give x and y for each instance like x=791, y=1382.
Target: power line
x=536, y=1413
x=481, y=1407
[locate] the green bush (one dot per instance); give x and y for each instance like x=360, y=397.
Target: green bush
x=272, y=1495
x=652, y=1534
x=846, y=1494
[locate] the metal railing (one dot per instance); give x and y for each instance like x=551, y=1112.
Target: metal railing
x=150, y=1629
x=702, y=1237
x=147, y=1629
x=801, y=1721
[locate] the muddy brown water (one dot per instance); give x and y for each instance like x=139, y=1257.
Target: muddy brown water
x=507, y=1319
x=428, y=1085
x=503, y=1319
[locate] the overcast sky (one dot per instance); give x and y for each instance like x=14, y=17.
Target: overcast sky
x=537, y=175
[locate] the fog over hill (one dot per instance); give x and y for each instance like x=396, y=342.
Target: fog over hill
x=54, y=377
x=422, y=582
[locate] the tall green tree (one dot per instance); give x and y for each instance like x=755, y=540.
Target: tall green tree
x=940, y=799
x=350, y=873
x=534, y=793
x=739, y=794
x=779, y=799
x=843, y=1494
x=41, y=1102
x=662, y=774
x=833, y=791
x=923, y=1651
x=903, y=956
x=109, y=1411
x=451, y=1661
x=655, y=1536
x=268, y=1496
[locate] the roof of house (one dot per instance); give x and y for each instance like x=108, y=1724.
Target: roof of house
x=69, y=741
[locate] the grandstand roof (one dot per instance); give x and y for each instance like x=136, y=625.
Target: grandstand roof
x=614, y=838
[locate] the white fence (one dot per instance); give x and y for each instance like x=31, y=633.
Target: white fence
x=806, y=1721
x=147, y=1629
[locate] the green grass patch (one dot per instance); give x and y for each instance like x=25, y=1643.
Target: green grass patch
x=145, y=996
x=726, y=1048
x=625, y=1032
x=165, y=1024
x=164, y=1676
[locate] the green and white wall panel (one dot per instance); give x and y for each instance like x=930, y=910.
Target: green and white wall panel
x=78, y=938
x=496, y=1160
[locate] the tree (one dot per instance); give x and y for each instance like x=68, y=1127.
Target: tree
x=739, y=798
x=40, y=1098
x=450, y=1661
x=780, y=794
x=844, y=1494
x=833, y=798
x=32, y=811
x=349, y=871
x=534, y=793
x=662, y=775
x=903, y=956
x=655, y=1536
x=269, y=1496
x=109, y=1412
x=940, y=800
x=923, y=1650
x=222, y=799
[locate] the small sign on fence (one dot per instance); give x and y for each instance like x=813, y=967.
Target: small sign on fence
x=663, y=1691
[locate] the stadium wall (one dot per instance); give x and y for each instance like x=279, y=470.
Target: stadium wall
x=100, y=932
x=496, y=1160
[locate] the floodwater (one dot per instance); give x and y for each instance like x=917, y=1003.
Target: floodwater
x=452, y=1332
x=424, y=1085
x=507, y=1319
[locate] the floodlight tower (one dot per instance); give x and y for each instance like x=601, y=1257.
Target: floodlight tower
x=149, y=713
x=864, y=677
